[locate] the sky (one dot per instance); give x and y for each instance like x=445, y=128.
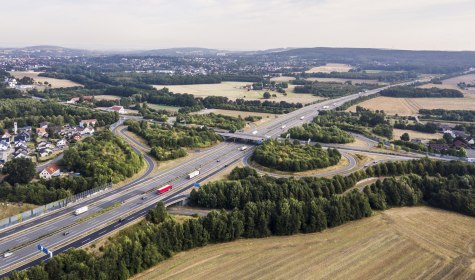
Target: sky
x=239, y=24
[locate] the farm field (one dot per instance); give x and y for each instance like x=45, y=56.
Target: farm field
x=330, y=67
x=163, y=107
x=341, y=81
x=234, y=90
x=411, y=106
x=106, y=97
x=415, y=134
x=55, y=83
x=282, y=79
x=400, y=243
x=232, y=113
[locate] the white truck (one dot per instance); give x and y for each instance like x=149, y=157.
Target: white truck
x=193, y=174
x=243, y=148
x=7, y=254
x=302, y=117
x=283, y=126
x=254, y=132
x=325, y=107
x=81, y=210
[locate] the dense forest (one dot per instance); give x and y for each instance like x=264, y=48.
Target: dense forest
x=286, y=156
x=167, y=142
x=221, y=102
x=448, y=115
x=387, y=77
x=415, y=92
x=32, y=112
x=100, y=159
x=332, y=89
x=213, y=120
x=316, y=133
x=261, y=206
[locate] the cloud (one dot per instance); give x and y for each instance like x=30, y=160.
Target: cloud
x=239, y=24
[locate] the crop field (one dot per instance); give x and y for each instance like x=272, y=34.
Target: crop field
x=331, y=67
x=341, y=81
x=234, y=90
x=416, y=134
x=400, y=243
x=411, y=106
x=55, y=83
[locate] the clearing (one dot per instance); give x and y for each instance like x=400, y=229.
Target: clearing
x=8, y=209
x=330, y=67
x=415, y=134
x=411, y=106
x=55, y=83
x=235, y=90
x=400, y=243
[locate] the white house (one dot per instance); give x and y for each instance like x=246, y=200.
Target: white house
x=50, y=172
x=4, y=146
x=6, y=137
x=91, y=122
x=118, y=109
x=61, y=143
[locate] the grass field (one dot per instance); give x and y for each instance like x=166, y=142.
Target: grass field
x=234, y=90
x=282, y=79
x=341, y=81
x=415, y=134
x=401, y=243
x=55, y=83
x=10, y=209
x=330, y=67
x=106, y=97
x=411, y=106
x=163, y=107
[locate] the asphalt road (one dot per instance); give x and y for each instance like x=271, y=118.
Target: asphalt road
x=127, y=202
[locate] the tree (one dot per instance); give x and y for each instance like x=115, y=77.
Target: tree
x=405, y=137
x=19, y=170
x=266, y=95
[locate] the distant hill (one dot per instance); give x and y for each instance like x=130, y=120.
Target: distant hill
x=42, y=51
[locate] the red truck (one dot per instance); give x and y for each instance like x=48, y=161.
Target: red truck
x=164, y=189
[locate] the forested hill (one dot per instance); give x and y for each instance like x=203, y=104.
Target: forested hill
x=429, y=61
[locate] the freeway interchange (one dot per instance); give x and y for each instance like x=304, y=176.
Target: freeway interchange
x=112, y=210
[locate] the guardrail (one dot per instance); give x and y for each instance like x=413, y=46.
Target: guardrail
x=27, y=215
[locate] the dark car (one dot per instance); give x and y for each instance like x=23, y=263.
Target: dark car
x=65, y=233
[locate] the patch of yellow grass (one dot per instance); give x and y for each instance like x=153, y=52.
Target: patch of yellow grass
x=415, y=134
x=235, y=90
x=55, y=83
x=400, y=243
x=11, y=209
x=330, y=67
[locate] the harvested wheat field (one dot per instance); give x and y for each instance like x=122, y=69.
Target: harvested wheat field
x=415, y=134
x=55, y=83
x=234, y=90
x=401, y=243
x=411, y=106
x=330, y=67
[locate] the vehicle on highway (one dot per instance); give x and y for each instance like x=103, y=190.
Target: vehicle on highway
x=164, y=189
x=254, y=132
x=81, y=210
x=7, y=254
x=325, y=107
x=283, y=126
x=218, y=160
x=243, y=148
x=121, y=220
x=302, y=117
x=143, y=197
x=193, y=174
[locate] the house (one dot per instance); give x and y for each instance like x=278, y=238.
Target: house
x=21, y=137
x=21, y=154
x=41, y=132
x=44, y=125
x=91, y=122
x=88, y=130
x=459, y=144
x=25, y=129
x=459, y=133
x=50, y=172
x=470, y=141
x=4, y=156
x=76, y=136
x=76, y=99
x=44, y=152
x=20, y=145
x=61, y=143
x=118, y=109
x=6, y=137
x=4, y=146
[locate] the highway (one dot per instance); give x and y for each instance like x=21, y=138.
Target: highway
x=126, y=202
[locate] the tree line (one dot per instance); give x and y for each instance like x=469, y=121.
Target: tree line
x=415, y=92
x=449, y=115
x=331, y=89
x=213, y=120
